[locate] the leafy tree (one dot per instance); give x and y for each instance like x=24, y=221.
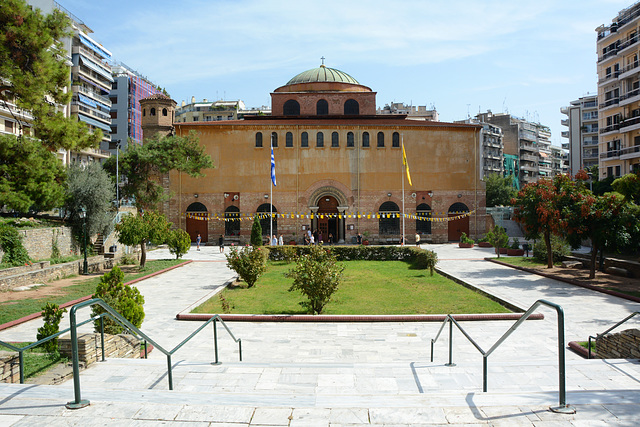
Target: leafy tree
x=179, y=242
x=90, y=187
x=31, y=177
x=250, y=263
x=126, y=300
x=256, y=232
x=498, y=238
x=11, y=243
x=499, y=190
x=34, y=76
x=629, y=187
x=139, y=229
x=143, y=165
x=52, y=315
x=317, y=276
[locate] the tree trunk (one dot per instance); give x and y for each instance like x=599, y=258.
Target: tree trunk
x=592, y=265
x=547, y=242
x=143, y=254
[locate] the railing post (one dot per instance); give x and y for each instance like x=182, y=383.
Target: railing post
x=240, y=348
x=589, y=344
x=431, y=350
x=102, y=335
x=215, y=342
x=145, y=349
x=78, y=402
x=169, y=372
x=562, y=393
x=484, y=373
x=21, y=367
x=450, y=345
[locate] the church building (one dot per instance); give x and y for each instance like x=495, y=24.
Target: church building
x=339, y=169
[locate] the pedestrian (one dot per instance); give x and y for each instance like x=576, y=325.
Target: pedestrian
x=320, y=240
x=330, y=239
x=198, y=240
x=417, y=240
x=280, y=241
x=315, y=236
x=312, y=241
x=274, y=240
x=359, y=238
x=221, y=243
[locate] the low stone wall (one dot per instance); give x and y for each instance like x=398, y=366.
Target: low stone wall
x=12, y=271
x=90, y=351
x=55, y=272
x=39, y=241
x=621, y=345
x=9, y=367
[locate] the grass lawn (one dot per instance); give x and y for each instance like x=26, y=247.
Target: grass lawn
x=13, y=310
x=368, y=287
x=35, y=360
x=521, y=261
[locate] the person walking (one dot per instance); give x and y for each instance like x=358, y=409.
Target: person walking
x=221, y=243
x=280, y=241
x=417, y=240
x=198, y=240
x=274, y=240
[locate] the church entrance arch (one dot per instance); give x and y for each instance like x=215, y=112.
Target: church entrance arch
x=328, y=217
x=197, y=222
x=328, y=205
x=458, y=226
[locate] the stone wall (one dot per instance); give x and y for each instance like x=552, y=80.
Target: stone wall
x=621, y=345
x=90, y=351
x=9, y=367
x=39, y=241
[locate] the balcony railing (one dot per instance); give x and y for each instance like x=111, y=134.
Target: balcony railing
x=610, y=128
x=631, y=66
x=92, y=93
x=610, y=102
x=630, y=94
x=630, y=122
x=610, y=76
x=630, y=150
x=612, y=154
x=611, y=53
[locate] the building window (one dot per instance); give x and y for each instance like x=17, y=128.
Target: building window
x=609, y=171
x=380, y=139
x=289, y=140
x=258, y=139
x=291, y=108
x=153, y=112
x=320, y=139
x=423, y=223
x=322, y=107
x=395, y=140
x=265, y=221
x=274, y=139
x=351, y=107
x=335, y=139
x=617, y=171
x=389, y=222
x=144, y=112
x=350, y=139
x=304, y=139
x=232, y=221
x=164, y=112
x=365, y=139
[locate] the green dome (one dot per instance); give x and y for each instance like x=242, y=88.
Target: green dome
x=322, y=74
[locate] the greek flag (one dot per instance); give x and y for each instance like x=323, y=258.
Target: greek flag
x=273, y=168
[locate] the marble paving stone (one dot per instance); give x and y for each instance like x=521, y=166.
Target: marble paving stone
x=271, y=416
x=211, y=413
x=349, y=416
x=407, y=415
x=156, y=411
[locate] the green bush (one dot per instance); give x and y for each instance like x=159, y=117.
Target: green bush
x=425, y=259
x=466, y=239
x=250, y=263
x=128, y=259
x=52, y=315
x=11, y=243
x=317, y=276
x=126, y=300
x=498, y=238
x=515, y=244
x=559, y=248
x=256, y=232
x=179, y=242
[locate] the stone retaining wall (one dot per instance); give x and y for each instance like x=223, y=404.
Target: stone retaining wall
x=90, y=351
x=39, y=241
x=9, y=367
x=621, y=345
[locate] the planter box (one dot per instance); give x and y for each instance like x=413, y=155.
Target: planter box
x=503, y=251
x=465, y=245
x=485, y=245
x=515, y=252
x=292, y=242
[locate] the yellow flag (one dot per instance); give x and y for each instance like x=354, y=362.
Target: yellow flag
x=406, y=165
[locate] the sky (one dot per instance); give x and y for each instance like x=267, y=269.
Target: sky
x=527, y=58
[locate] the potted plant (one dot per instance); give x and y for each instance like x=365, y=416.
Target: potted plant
x=482, y=242
x=293, y=239
x=465, y=241
x=498, y=238
x=515, y=250
x=365, y=237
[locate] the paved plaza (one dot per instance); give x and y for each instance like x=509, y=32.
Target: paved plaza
x=347, y=374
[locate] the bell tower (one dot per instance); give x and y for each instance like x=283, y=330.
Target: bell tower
x=158, y=111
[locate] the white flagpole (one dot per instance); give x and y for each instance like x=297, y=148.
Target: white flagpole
x=402, y=170
x=271, y=198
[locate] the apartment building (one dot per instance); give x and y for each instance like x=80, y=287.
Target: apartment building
x=619, y=94
x=127, y=89
x=582, y=133
x=208, y=111
x=491, y=148
x=411, y=111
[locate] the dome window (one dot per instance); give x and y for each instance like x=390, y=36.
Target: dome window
x=153, y=112
x=351, y=107
x=322, y=107
x=291, y=108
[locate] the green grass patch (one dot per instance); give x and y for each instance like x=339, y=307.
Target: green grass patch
x=522, y=261
x=12, y=310
x=36, y=361
x=368, y=287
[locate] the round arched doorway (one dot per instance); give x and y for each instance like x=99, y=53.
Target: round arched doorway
x=328, y=218
x=197, y=222
x=458, y=226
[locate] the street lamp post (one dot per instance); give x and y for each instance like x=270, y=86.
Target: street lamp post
x=115, y=144
x=85, y=265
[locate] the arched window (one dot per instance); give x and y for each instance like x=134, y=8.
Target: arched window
x=291, y=108
x=322, y=107
x=304, y=139
x=389, y=222
x=265, y=221
x=289, y=140
x=350, y=140
x=423, y=223
x=274, y=139
x=351, y=107
x=164, y=112
x=144, y=112
x=232, y=221
x=380, y=139
x=319, y=139
x=258, y=139
x=365, y=139
x=458, y=208
x=153, y=112
x=335, y=139
x=395, y=140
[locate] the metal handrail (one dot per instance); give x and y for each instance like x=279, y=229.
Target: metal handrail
x=563, y=407
x=78, y=402
x=598, y=336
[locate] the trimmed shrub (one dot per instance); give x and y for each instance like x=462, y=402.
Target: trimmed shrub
x=425, y=259
x=498, y=238
x=179, y=242
x=126, y=300
x=250, y=263
x=52, y=315
x=256, y=232
x=559, y=248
